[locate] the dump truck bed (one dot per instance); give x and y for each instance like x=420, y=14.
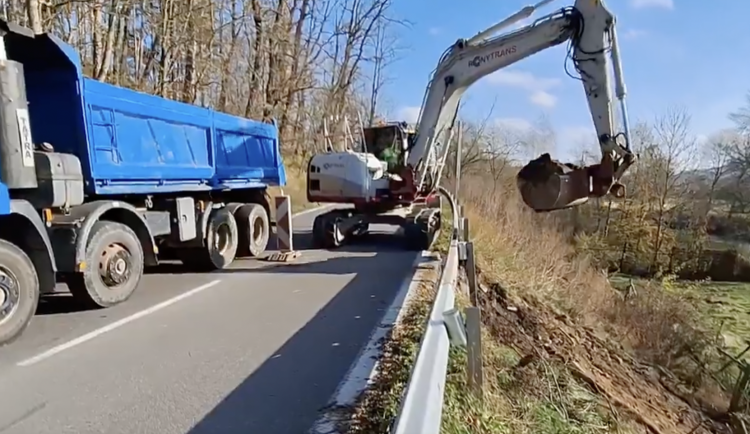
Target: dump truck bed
x=131, y=142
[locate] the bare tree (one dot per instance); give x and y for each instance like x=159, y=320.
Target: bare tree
x=717, y=153
x=296, y=61
x=385, y=52
x=741, y=117
x=673, y=154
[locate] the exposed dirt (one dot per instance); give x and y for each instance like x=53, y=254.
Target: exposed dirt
x=644, y=394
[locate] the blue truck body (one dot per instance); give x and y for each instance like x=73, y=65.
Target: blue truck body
x=98, y=182
x=130, y=142
x=4, y=200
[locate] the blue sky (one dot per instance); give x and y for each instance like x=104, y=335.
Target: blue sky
x=674, y=53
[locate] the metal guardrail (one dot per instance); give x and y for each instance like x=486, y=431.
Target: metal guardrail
x=422, y=406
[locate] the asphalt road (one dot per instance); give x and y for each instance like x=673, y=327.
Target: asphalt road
x=259, y=348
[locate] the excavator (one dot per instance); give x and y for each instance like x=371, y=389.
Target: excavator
x=404, y=190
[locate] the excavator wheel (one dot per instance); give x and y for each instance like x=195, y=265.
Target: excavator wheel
x=327, y=232
x=416, y=236
x=420, y=233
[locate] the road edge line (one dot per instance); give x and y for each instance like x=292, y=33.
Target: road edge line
x=366, y=366
x=115, y=325
x=311, y=210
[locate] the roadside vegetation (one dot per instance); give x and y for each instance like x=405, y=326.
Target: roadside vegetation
x=618, y=316
x=298, y=62
x=378, y=407
x=612, y=317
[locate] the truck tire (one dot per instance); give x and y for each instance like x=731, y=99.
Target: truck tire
x=254, y=230
x=220, y=245
x=114, y=259
x=19, y=292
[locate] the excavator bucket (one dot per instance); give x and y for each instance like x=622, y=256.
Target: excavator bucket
x=548, y=185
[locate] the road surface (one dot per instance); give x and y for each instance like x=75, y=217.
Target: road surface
x=259, y=348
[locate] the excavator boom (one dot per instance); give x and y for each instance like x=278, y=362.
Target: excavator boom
x=545, y=184
x=395, y=178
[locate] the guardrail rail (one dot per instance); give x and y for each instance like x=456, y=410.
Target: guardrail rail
x=422, y=405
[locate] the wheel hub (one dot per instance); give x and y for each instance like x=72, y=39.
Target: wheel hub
x=257, y=230
x=114, y=266
x=222, y=239
x=9, y=294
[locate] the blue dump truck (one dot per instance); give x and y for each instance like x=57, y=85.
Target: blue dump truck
x=99, y=182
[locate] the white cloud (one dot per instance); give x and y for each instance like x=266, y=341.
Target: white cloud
x=543, y=99
x=644, y=4
x=631, y=34
x=515, y=124
x=538, y=86
x=409, y=114
x=522, y=79
x=701, y=139
x=578, y=135
x=434, y=31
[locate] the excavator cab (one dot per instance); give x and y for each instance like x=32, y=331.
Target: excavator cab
x=389, y=143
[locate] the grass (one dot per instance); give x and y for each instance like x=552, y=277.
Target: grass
x=520, y=396
x=727, y=306
x=563, y=351
x=378, y=406
x=561, y=404
x=295, y=188
x=724, y=306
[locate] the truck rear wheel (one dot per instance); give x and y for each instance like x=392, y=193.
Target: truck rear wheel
x=254, y=230
x=114, y=266
x=19, y=291
x=220, y=245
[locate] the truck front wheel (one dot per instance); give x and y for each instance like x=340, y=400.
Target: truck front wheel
x=114, y=266
x=19, y=291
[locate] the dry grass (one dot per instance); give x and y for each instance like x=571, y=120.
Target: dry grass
x=527, y=254
x=577, y=336
x=378, y=406
x=296, y=178
x=521, y=396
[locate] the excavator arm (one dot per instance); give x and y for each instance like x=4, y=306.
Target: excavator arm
x=545, y=184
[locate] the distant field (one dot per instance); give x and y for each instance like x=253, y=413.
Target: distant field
x=717, y=243
x=726, y=306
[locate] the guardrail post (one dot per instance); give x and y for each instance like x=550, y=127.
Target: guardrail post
x=459, y=224
x=471, y=274
x=474, y=350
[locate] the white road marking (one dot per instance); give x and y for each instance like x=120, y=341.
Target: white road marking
x=311, y=210
x=115, y=325
x=365, y=367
